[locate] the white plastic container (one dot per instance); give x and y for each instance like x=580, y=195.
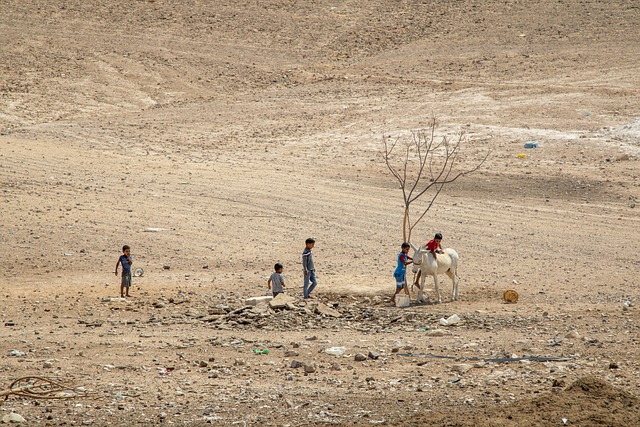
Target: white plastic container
x=402, y=300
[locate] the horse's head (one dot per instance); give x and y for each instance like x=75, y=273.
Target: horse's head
x=417, y=257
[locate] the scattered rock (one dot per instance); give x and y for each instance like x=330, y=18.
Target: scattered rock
x=13, y=418
x=554, y=342
x=257, y=300
x=359, y=357
x=373, y=355
x=336, y=351
x=573, y=334
x=461, y=367
x=281, y=301
x=327, y=311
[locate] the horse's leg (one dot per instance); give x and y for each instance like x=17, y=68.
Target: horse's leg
x=410, y=287
x=435, y=280
x=454, y=291
x=420, y=298
x=424, y=295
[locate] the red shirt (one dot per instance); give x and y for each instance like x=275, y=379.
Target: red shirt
x=432, y=245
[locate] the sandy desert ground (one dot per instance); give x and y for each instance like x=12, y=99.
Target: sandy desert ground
x=215, y=138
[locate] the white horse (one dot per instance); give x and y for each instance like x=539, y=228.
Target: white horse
x=444, y=263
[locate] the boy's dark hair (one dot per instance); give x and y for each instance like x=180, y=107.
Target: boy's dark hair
x=277, y=267
x=309, y=240
x=125, y=247
x=405, y=245
x=438, y=236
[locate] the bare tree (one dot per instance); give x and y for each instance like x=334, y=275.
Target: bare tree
x=424, y=164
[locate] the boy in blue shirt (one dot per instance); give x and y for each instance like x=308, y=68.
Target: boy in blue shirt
x=125, y=261
x=401, y=270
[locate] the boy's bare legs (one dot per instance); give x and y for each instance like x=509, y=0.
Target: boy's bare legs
x=124, y=292
x=393, y=297
x=398, y=290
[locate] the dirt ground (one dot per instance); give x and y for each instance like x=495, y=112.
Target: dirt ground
x=214, y=139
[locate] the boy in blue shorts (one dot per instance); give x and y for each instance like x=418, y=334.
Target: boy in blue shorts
x=401, y=270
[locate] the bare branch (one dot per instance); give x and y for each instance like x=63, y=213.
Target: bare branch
x=425, y=158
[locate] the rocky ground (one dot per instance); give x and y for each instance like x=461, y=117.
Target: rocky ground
x=214, y=139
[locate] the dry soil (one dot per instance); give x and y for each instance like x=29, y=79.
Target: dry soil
x=214, y=138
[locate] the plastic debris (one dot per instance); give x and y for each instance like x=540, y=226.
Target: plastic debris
x=451, y=320
x=336, y=351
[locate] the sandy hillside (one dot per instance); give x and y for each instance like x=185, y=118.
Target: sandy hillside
x=214, y=139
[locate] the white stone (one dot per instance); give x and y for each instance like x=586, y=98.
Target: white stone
x=256, y=300
x=281, y=301
x=13, y=418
